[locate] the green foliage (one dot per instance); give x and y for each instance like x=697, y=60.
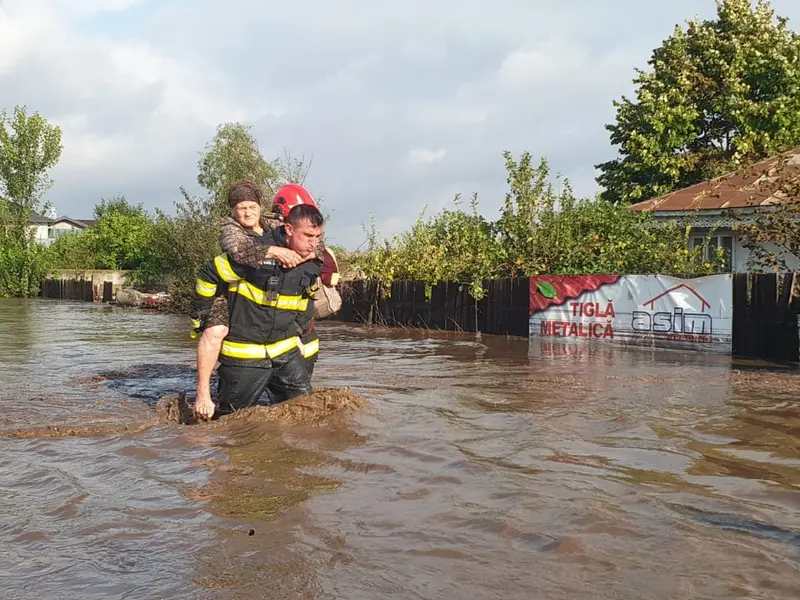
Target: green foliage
x=179, y=246
x=123, y=234
x=165, y=251
x=121, y=239
x=22, y=268
x=73, y=250
x=719, y=94
x=451, y=246
x=29, y=147
x=232, y=154
x=539, y=231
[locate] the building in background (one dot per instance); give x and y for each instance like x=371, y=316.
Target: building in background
x=718, y=204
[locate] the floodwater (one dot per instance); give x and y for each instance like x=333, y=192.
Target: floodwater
x=474, y=471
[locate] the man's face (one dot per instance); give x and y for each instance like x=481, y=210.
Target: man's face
x=247, y=213
x=304, y=237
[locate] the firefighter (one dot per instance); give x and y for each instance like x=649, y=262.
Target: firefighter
x=267, y=307
x=328, y=300
x=242, y=239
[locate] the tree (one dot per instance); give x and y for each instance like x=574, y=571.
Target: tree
x=544, y=231
x=29, y=147
x=720, y=93
x=123, y=234
x=288, y=169
x=232, y=154
x=121, y=239
x=180, y=245
x=73, y=250
x=526, y=219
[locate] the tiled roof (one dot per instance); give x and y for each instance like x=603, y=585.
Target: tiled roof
x=35, y=218
x=744, y=188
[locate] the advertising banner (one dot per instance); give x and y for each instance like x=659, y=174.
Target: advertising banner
x=642, y=310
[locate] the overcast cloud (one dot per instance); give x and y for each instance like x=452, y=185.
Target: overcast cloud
x=402, y=104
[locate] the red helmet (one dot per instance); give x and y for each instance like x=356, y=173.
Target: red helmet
x=289, y=196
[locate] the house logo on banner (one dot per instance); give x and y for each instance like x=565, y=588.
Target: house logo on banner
x=677, y=324
x=642, y=310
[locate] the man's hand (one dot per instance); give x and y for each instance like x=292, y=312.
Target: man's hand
x=288, y=258
x=204, y=408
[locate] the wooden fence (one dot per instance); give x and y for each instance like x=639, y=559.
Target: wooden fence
x=503, y=311
x=76, y=289
x=765, y=310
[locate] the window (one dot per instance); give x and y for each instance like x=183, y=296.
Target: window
x=710, y=246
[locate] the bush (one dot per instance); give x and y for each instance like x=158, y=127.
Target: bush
x=539, y=231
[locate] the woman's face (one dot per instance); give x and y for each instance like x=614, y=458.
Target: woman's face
x=247, y=213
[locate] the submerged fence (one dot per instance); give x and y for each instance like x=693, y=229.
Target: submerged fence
x=76, y=289
x=765, y=310
x=765, y=313
x=503, y=311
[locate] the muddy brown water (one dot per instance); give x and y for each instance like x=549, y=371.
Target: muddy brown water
x=474, y=471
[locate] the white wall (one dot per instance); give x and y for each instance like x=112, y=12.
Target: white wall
x=741, y=255
x=41, y=233
x=46, y=234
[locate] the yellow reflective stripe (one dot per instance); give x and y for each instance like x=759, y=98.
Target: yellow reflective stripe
x=195, y=327
x=334, y=278
x=258, y=351
x=204, y=288
x=292, y=303
x=258, y=296
x=224, y=269
x=311, y=348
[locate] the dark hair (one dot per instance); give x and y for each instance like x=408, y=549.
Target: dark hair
x=305, y=211
x=244, y=190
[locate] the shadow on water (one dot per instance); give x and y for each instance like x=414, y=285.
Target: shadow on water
x=741, y=524
x=149, y=382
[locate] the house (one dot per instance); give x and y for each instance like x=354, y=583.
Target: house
x=721, y=202
x=47, y=230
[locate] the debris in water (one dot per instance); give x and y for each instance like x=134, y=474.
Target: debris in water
x=320, y=405
x=93, y=430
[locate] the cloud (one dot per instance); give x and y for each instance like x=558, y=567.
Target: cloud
x=402, y=105
x=425, y=156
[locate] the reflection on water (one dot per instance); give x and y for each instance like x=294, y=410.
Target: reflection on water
x=476, y=471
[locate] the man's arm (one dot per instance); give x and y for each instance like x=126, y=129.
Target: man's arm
x=244, y=248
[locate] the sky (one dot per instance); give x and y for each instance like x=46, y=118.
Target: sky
x=401, y=105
